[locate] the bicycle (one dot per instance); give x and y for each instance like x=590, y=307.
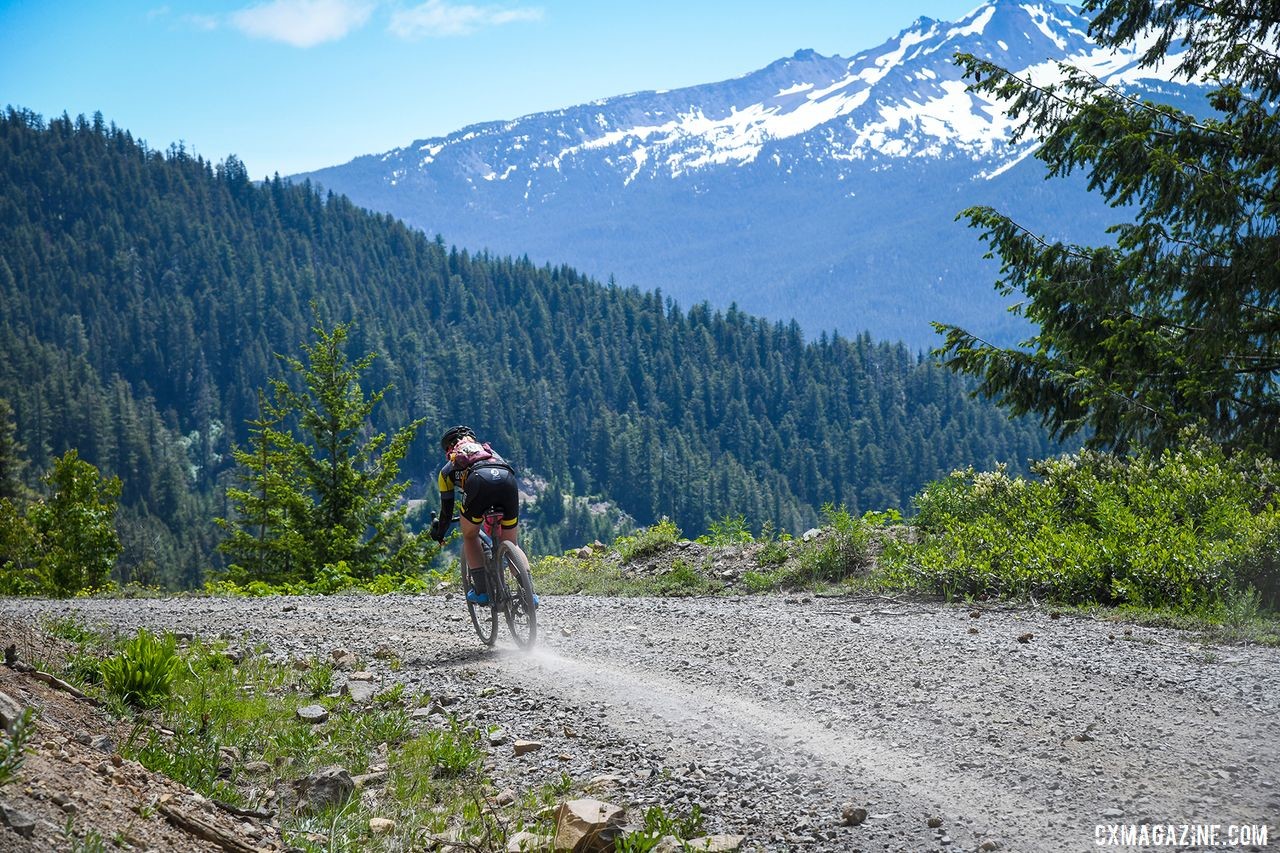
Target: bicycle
x=509, y=584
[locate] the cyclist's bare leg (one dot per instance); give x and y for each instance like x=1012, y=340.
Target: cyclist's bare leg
x=510, y=534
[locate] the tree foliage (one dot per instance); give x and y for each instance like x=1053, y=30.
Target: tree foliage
x=64, y=542
x=144, y=295
x=12, y=463
x=1178, y=322
x=324, y=496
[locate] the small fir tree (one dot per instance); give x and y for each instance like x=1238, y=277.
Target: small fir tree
x=321, y=501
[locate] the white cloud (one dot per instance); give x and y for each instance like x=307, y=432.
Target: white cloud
x=439, y=18
x=302, y=23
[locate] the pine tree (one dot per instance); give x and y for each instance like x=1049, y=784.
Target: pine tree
x=262, y=540
x=322, y=501
x=1178, y=322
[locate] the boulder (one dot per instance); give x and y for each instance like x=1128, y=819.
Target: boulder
x=328, y=786
x=851, y=815
x=522, y=747
x=587, y=826
x=10, y=712
x=18, y=821
x=313, y=714
x=361, y=692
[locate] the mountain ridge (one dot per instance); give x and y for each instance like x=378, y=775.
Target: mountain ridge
x=849, y=162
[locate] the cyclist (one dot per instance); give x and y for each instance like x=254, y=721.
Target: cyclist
x=487, y=482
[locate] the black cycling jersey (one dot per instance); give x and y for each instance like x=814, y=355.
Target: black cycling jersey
x=488, y=484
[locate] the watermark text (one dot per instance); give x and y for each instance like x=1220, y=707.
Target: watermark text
x=1182, y=835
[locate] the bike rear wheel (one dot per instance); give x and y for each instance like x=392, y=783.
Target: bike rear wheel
x=521, y=612
x=484, y=617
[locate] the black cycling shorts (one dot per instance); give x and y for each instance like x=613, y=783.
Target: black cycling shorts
x=491, y=487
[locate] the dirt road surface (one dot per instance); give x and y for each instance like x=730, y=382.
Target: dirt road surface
x=955, y=727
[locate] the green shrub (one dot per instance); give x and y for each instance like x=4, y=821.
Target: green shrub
x=143, y=672
x=842, y=551
x=1180, y=529
x=772, y=554
x=65, y=543
x=648, y=541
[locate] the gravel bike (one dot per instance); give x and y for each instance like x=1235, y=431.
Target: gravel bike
x=509, y=584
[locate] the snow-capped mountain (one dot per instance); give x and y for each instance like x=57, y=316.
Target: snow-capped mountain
x=820, y=188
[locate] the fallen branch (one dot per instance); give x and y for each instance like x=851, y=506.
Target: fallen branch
x=12, y=661
x=58, y=683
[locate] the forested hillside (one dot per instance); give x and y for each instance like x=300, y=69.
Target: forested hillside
x=144, y=295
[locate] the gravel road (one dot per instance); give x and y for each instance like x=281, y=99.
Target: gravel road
x=1000, y=726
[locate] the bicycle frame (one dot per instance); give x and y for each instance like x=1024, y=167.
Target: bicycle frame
x=517, y=603
x=497, y=585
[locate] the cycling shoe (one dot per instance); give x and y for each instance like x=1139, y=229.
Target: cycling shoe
x=481, y=598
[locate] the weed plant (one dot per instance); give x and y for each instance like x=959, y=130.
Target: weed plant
x=658, y=824
x=317, y=679
x=143, y=671
x=730, y=530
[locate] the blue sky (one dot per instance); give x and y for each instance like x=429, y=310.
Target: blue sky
x=293, y=85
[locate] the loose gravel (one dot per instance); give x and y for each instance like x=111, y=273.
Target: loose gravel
x=955, y=728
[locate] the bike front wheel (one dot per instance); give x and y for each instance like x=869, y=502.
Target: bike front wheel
x=521, y=610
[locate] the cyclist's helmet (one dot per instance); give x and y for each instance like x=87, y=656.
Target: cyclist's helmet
x=452, y=434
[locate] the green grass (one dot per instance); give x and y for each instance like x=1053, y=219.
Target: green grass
x=681, y=581
x=221, y=714
x=571, y=575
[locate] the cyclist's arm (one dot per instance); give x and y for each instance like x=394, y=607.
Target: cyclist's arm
x=444, y=482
